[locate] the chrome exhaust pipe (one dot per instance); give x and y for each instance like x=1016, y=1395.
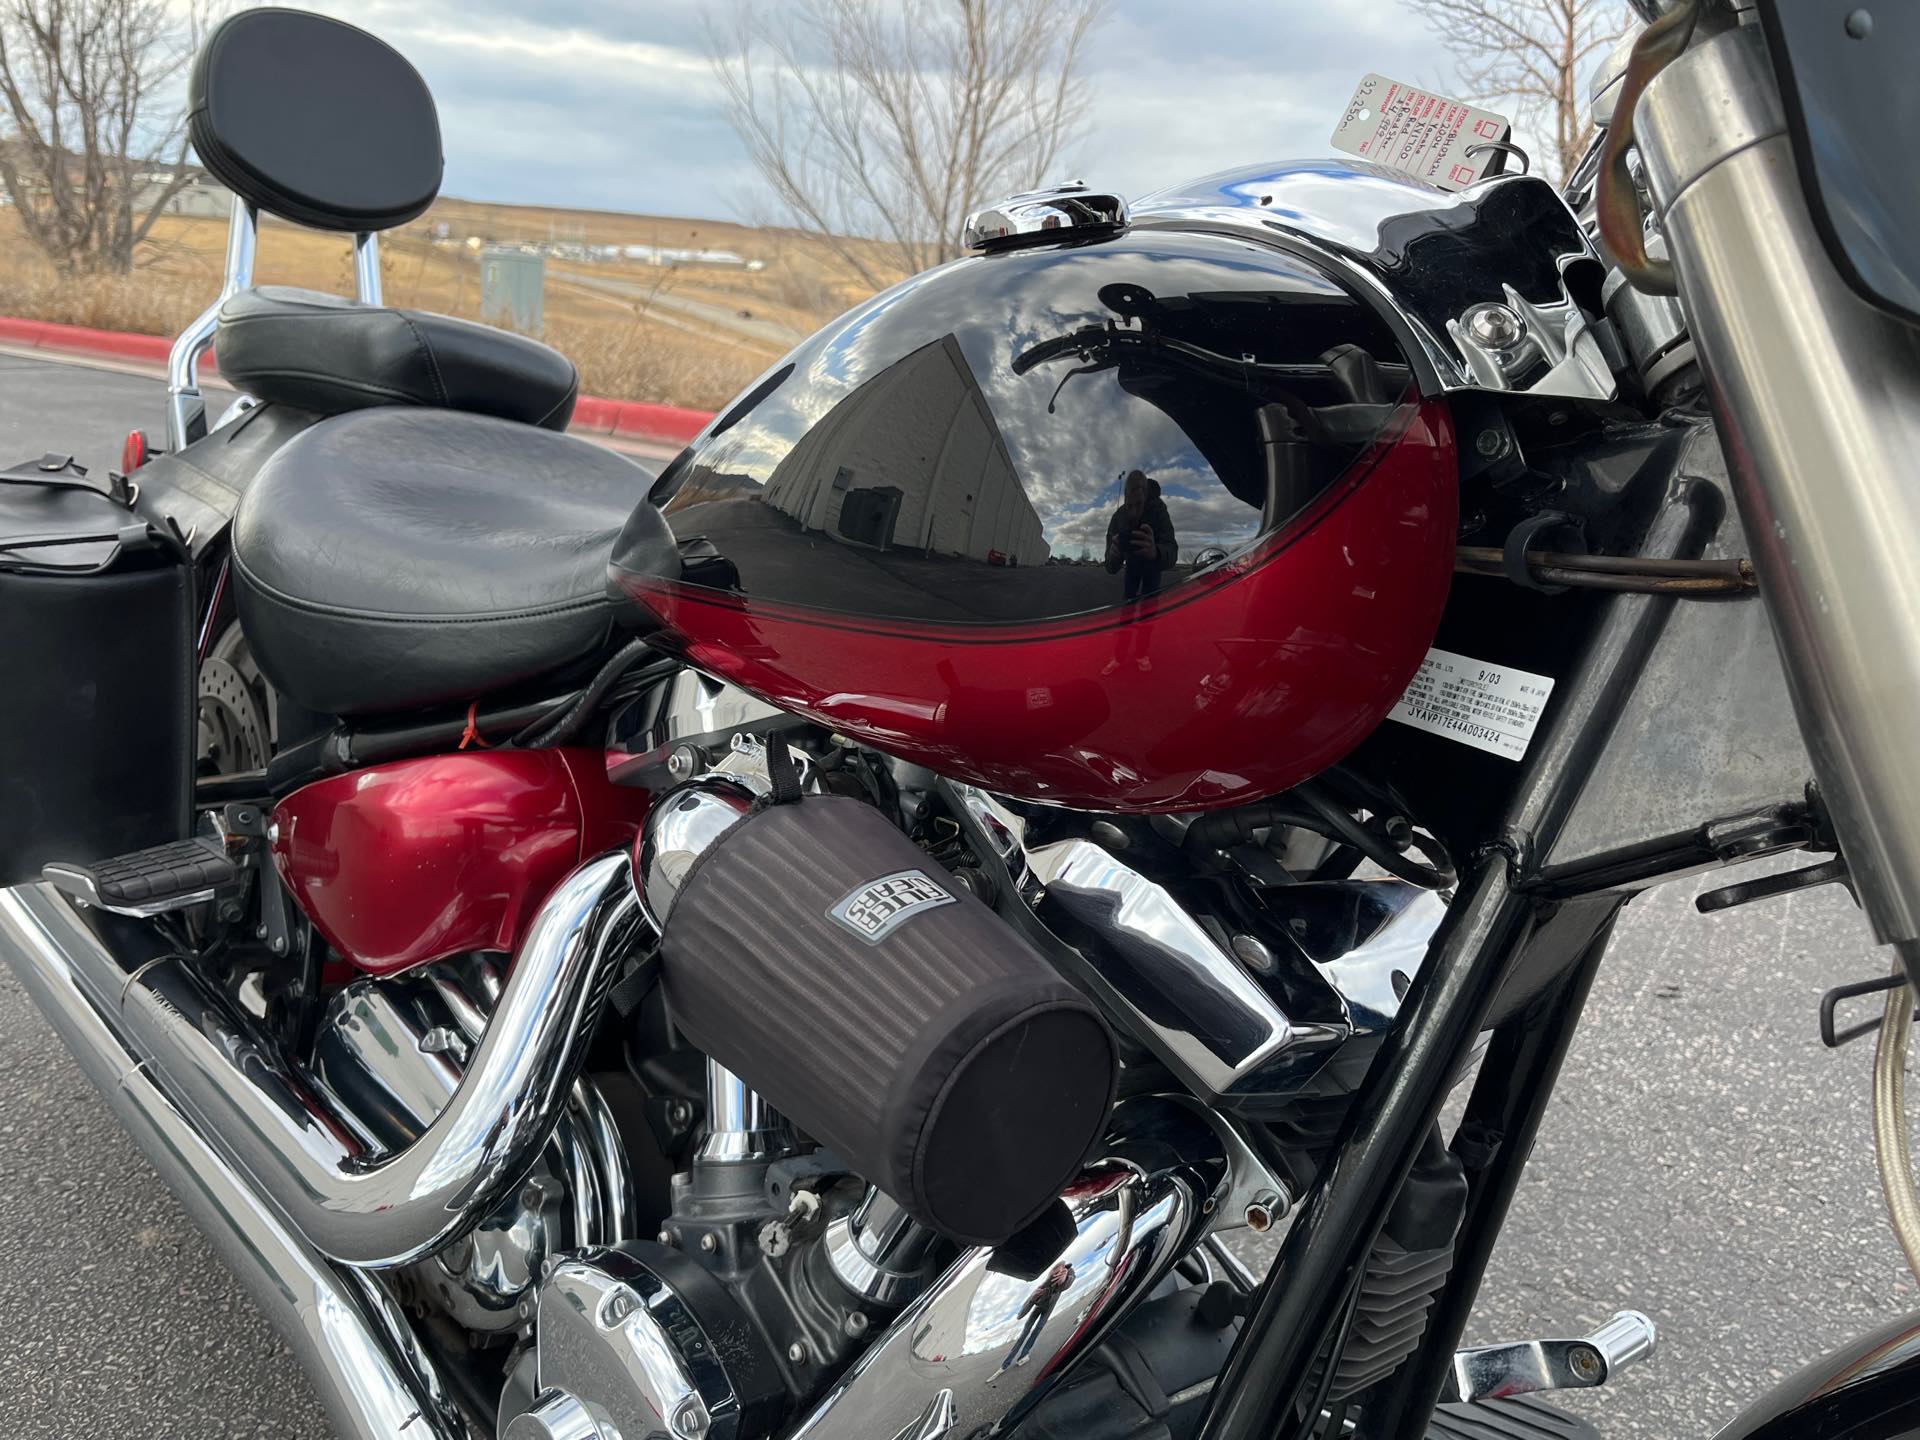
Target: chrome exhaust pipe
x=357, y=1208
x=1004, y=1324
x=350, y=1340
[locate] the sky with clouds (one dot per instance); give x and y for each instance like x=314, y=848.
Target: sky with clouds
x=612, y=104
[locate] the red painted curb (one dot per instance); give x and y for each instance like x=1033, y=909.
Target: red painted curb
x=638, y=419
x=84, y=340
x=628, y=419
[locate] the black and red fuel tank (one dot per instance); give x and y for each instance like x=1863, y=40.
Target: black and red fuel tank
x=1152, y=522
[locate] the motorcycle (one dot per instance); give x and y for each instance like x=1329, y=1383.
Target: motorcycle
x=830, y=940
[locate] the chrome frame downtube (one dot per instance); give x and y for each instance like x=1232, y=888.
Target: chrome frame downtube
x=1818, y=398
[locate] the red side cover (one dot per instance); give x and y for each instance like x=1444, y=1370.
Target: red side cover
x=405, y=863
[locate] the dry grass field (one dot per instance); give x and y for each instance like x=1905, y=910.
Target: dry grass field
x=685, y=334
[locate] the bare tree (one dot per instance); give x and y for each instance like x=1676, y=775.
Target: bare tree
x=890, y=119
x=94, y=143
x=1533, y=54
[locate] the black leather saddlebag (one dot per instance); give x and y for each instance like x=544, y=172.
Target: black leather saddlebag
x=96, y=642
x=825, y=959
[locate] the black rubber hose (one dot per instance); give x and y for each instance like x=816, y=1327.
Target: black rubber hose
x=559, y=728
x=1222, y=828
x=1310, y=808
x=1376, y=847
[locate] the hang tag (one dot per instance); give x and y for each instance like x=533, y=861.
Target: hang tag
x=1490, y=707
x=1422, y=133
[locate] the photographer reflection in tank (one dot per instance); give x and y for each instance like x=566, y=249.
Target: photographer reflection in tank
x=1035, y=1312
x=1141, y=548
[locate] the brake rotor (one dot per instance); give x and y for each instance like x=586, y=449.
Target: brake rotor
x=236, y=709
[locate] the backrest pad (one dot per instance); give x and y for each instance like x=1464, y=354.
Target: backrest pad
x=315, y=121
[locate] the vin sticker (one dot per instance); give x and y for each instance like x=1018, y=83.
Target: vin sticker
x=883, y=905
x=1490, y=707
x=1419, y=132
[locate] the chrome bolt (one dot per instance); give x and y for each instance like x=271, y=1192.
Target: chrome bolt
x=1492, y=444
x=1586, y=1363
x=679, y=1114
x=682, y=761
x=1253, y=953
x=1494, y=326
x=709, y=1242
x=690, y=1421
x=1860, y=24
x=855, y=1325
x=1265, y=1208
x=665, y=1237
x=617, y=1307
x=797, y=1353
x=273, y=832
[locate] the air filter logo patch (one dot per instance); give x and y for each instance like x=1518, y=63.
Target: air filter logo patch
x=879, y=907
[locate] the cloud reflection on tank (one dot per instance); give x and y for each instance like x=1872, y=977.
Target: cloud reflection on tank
x=965, y=457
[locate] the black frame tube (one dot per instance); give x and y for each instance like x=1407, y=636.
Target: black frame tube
x=1508, y=1103
x=1265, y=1384
x=1268, y=1377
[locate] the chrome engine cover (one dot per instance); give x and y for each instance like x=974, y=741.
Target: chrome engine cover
x=624, y=1354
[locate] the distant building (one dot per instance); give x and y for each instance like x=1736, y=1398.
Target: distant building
x=513, y=287
x=913, y=459
x=668, y=255
x=202, y=197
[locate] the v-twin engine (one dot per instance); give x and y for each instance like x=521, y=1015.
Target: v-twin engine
x=392, y=1053
x=640, y=1340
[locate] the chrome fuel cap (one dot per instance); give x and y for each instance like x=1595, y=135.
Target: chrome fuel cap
x=1043, y=215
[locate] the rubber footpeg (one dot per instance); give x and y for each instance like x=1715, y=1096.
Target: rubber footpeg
x=1521, y=1418
x=148, y=881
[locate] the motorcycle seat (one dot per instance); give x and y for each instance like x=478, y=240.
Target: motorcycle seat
x=329, y=354
x=390, y=559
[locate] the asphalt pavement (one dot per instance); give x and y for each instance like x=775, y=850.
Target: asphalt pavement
x=1704, y=1160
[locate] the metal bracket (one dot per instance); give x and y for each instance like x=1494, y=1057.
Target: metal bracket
x=1828, y=872
x=1494, y=1372
x=250, y=829
x=1834, y=1038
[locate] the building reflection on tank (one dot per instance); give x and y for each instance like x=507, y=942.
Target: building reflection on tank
x=1004, y=469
